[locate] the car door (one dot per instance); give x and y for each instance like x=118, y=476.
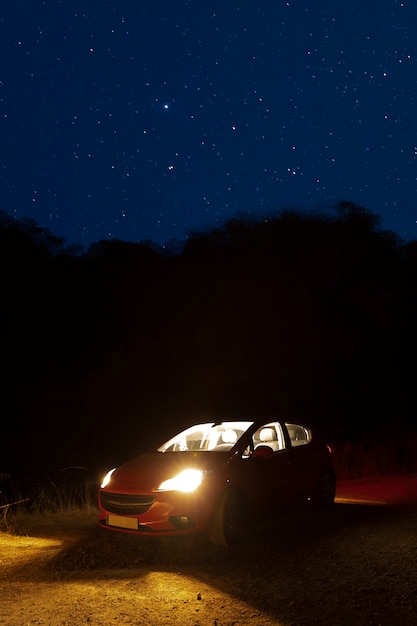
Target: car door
x=307, y=458
x=269, y=473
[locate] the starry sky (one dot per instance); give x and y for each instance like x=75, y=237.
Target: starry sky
x=147, y=119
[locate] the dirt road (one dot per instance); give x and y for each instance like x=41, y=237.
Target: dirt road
x=352, y=565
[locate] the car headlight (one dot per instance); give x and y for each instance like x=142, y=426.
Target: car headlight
x=107, y=478
x=186, y=481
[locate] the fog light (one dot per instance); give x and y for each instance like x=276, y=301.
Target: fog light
x=182, y=521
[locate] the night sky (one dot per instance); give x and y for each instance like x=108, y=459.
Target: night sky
x=145, y=119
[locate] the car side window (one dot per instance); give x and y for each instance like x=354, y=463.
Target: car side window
x=299, y=435
x=270, y=435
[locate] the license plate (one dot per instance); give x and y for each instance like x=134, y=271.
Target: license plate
x=122, y=522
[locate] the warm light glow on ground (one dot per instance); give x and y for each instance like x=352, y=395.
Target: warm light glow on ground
x=360, y=501
x=377, y=491
x=27, y=542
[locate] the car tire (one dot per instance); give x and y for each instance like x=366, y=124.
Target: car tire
x=227, y=519
x=326, y=490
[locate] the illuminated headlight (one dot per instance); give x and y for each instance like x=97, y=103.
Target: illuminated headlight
x=107, y=478
x=186, y=481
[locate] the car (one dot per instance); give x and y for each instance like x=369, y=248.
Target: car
x=213, y=477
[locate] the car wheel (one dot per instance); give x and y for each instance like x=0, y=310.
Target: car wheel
x=326, y=490
x=227, y=519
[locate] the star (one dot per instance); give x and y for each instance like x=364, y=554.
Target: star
x=234, y=101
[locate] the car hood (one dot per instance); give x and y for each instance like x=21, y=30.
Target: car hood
x=149, y=470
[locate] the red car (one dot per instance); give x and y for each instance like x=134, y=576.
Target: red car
x=212, y=477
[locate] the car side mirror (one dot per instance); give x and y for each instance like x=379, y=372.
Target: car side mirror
x=263, y=450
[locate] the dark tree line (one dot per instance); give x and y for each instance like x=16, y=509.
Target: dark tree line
x=110, y=349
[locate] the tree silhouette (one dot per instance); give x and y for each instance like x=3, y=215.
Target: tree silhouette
x=307, y=315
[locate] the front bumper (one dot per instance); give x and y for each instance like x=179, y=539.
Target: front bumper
x=170, y=513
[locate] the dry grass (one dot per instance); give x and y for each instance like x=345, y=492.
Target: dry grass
x=23, y=506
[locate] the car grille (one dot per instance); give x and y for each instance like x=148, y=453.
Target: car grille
x=125, y=504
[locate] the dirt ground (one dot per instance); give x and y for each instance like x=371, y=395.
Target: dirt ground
x=354, y=564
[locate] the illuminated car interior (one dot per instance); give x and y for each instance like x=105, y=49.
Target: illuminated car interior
x=223, y=436
x=299, y=435
x=211, y=436
x=270, y=435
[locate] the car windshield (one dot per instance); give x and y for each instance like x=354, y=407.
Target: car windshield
x=211, y=436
